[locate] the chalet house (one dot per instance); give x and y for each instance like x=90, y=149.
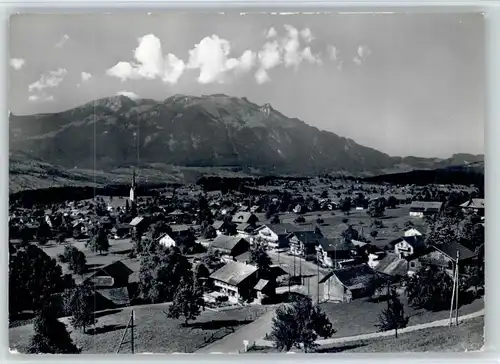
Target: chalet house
x=120, y=231
x=332, y=252
x=474, y=204
x=236, y=280
x=265, y=288
x=412, y=232
x=344, y=285
x=392, y=266
x=245, y=229
x=223, y=227
x=275, y=235
x=111, y=282
x=179, y=230
x=166, y=240
x=231, y=246
x=245, y=217
x=425, y=208
x=408, y=245
x=304, y=243
x=444, y=256
x=139, y=223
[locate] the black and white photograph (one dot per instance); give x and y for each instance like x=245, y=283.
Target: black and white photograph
x=246, y=183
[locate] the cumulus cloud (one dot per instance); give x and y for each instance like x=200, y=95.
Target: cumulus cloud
x=62, y=42
x=48, y=80
x=129, y=94
x=210, y=56
x=287, y=51
x=40, y=98
x=86, y=76
x=17, y=63
x=306, y=34
x=362, y=53
x=150, y=63
x=271, y=33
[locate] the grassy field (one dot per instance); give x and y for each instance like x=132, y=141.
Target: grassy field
x=153, y=332
x=468, y=336
x=360, y=316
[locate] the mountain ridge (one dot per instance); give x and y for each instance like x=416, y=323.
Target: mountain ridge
x=198, y=131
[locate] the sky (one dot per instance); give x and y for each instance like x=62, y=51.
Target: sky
x=405, y=84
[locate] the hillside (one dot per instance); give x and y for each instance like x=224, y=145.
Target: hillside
x=206, y=131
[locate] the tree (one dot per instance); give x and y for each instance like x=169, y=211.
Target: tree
x=393, y=317
x=127, y=206
x=350, y=233
x=300, y=324
x=260, y=258
x=429, y=288
x=43, y=233
x=99, y=242
x=324, y=194
x=408, y=224
x=212, y=259
x=346, y=205
x=32, y=274
x=79, y=302
x=376, y=208
x=76, y=260
x=26, y=235
x=188, y=300
x=162, y=269
x=392, y=202
x=51, y=336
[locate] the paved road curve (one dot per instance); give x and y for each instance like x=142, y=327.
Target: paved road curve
x=233, y=343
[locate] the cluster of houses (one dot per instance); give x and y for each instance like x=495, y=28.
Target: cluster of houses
x=352, y=264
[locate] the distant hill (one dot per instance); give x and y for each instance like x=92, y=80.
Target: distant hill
x=214, y=131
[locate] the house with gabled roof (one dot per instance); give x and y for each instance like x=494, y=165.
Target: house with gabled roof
x=408, y=245
x=331, y=252
x=275, y=235
x=346, y=284
x=425, y=208
x=230, y=246
x=236, y=280
x=474, y=204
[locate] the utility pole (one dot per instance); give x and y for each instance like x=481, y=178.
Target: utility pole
x=132, y=331
x=317, y=265
x=454, y=294
x=457, y=287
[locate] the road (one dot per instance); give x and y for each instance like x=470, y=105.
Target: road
x=233, y=343
x=374, y=335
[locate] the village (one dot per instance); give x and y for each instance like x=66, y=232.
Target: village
x=346, y=245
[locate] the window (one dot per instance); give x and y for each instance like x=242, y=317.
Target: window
x=412, y=264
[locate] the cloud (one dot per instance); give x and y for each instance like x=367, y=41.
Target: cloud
x=17, y=63
x=48, y=80
x=86, y=76
x=261, y=76
x=332, y=52
x=291, y=47
x=362, y=53
x=210, y=56
x=150, y=63
x=40, y=98
x=306, y=34
x=285, y=50
x=271, y=33
x=129, y=94
x=62, y=42
x=308, y=56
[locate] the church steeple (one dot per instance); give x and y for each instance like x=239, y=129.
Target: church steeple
x=132, y=188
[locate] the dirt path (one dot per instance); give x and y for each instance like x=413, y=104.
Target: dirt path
x=374, y=335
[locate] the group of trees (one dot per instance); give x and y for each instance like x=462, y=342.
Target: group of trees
x=76, y=260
